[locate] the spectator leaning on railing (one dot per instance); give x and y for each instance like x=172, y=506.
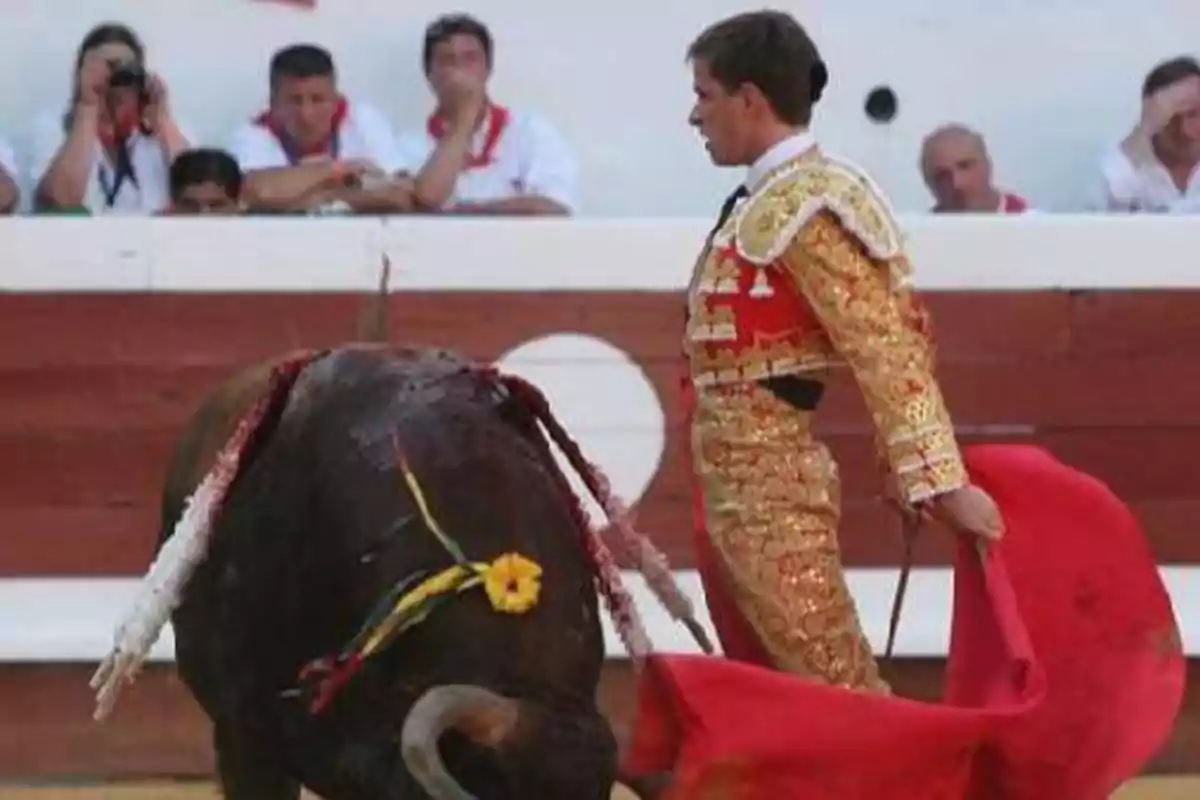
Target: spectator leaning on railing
x=110, y=151
x=205, y=181
x=10, y=187
x=474, y=156
x=957, y=169
x=315, y=149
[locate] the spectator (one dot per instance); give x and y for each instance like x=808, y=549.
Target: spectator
x=205, y=181
x=1154, y=168
x=109, y=152
x=958, y=171
x=10, y=189
x=475, y=156
x=314, y=148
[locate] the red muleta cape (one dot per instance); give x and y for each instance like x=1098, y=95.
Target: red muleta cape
x=1065, y=675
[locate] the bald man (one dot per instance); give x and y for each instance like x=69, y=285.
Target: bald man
x=958, y=171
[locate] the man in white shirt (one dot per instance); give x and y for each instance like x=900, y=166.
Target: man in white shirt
x=10, y=183
x=314, y=148
x=957, y=170
x=110, y=152
x=474, y=156
x=1155, y=168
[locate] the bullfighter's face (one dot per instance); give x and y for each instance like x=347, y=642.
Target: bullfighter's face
x=722, y=117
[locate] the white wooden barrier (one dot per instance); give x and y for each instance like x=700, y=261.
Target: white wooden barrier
x=329, y=254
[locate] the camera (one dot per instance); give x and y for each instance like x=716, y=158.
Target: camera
x=124, y=75
x=127, y=75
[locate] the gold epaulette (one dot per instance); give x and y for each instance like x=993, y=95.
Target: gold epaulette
x=773, y=216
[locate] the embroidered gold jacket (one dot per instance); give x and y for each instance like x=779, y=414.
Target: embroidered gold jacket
x=810, y=275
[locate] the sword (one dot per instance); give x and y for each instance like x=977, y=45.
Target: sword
x=910, y=527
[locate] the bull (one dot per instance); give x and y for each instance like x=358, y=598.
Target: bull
x=382, y=585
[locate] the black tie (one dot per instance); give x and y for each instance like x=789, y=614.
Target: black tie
x=727, y=209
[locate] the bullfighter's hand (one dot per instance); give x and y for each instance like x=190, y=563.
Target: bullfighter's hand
x=969, y=509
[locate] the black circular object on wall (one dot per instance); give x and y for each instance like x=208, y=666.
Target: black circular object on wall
x=881, y=105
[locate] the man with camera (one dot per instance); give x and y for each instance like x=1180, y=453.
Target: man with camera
x=111, y=151
x=314, y=150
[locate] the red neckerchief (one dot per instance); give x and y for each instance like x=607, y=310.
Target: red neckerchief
x=125, y=122
x=496, y=122
x=1012, y=204
x=1009, y=204
x=330, y=145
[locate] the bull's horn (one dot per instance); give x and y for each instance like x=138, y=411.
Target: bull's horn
x=482, y=716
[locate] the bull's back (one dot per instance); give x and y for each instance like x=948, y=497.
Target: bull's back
x=321, y=525
x=490, y=486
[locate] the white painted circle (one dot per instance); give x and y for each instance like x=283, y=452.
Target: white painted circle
x=605, y=401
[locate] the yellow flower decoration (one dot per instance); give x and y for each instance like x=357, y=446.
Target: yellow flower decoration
x=512, y=583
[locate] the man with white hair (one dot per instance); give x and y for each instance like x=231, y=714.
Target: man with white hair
x=958, y=171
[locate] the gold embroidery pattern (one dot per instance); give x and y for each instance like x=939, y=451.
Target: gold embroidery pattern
x=882, y=333
x=717, y=325
x=772, y=504
x=797, y=192
x=715, y=273
x=725, y=366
